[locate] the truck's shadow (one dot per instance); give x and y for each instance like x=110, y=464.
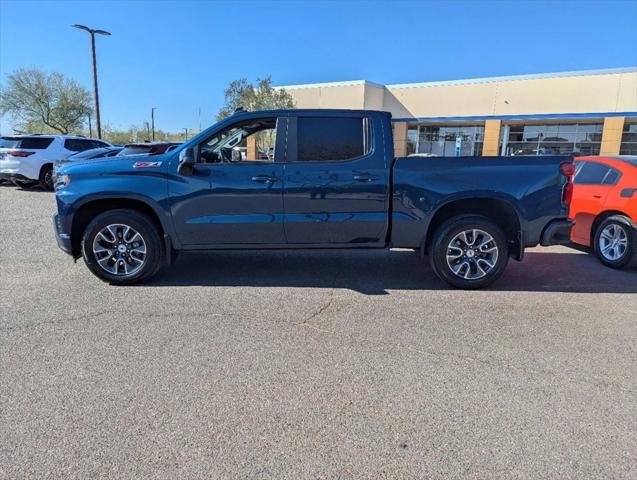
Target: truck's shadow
x=377, y=272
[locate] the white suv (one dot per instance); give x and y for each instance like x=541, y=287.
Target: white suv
x=26, y=159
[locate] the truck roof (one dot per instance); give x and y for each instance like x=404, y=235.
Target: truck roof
x=307, y=111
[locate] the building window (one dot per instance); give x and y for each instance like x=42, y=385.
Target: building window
x=412, y=139
x=629, y=140
x=563, y=139
x=446, y=141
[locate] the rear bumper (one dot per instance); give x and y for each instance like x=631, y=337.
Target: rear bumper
x=17, y=169
x=557, y=232
x=13, y=176
x=63, y=239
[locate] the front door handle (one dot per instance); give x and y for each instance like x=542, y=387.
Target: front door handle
x=264, y=179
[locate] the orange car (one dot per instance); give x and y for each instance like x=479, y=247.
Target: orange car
x=604, y=207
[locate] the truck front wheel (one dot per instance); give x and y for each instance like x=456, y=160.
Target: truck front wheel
x=122, y=247
x=469, y=252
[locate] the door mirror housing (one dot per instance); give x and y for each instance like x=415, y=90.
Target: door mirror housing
x=236, y=155
x=186, y=161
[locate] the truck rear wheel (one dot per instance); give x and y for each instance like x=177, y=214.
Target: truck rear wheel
x=122, y=247
x=469, y=252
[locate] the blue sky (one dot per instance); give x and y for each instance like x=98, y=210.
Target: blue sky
x=179, y=56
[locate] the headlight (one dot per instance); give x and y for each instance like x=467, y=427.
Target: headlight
x=62, y=181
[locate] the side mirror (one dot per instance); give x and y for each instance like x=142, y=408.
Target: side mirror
x=236, y=155
x=186, y=161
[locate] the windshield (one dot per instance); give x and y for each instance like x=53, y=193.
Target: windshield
x=88, y=154
x=135, y=150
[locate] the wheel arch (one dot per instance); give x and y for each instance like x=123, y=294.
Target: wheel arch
x=43, y=166
x=88, y=210
x=498, y=210
x=600, y=218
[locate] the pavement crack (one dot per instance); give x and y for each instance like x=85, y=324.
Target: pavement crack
x=89, y=316
x=468, y=358
x=326, y=305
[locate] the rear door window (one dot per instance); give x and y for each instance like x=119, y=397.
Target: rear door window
x=331, y=139
x=78, y=144
x=31, y=143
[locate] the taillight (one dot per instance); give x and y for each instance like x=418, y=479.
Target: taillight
x=20, y=153
x=567, y=169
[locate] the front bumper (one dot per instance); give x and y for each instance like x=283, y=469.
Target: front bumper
x=63, y=239
x=557, y=232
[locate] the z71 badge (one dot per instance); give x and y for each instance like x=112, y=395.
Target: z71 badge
x=146, y=164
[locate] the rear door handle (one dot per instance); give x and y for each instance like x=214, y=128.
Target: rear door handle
x=363, y=178
x=264, y=179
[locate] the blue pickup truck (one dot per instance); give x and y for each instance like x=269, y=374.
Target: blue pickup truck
x=309, y=179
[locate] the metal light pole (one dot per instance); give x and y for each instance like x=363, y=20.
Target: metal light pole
x=186, y=130
x=152, y=119
x=97, y=96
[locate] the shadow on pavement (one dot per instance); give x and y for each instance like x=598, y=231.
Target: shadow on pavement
x=376, y=272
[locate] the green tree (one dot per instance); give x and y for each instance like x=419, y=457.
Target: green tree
x=45, y=102
x=252, y=97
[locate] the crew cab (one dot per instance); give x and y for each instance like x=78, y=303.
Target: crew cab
x=331, y=181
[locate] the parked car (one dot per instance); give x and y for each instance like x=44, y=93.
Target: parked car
x=604, y=208
x=28, y=159
x=333, y=182
x=92, y=154
x=147, y=148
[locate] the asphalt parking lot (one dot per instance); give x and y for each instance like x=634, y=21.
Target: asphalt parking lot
x=311, y=365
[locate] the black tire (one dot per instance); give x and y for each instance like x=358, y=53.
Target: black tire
x=485, y=264
x=627, y=230
x=46, y=177
x=137, y=222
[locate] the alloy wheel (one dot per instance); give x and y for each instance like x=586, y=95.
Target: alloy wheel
x=472, y=254
x=48, y=178
x=613, y=242
x=119, y=249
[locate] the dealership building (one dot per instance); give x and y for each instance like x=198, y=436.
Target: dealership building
x=587, y=112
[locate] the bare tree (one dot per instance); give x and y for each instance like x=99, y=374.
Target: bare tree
x=40, y=101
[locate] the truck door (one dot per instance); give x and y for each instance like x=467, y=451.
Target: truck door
x=234, y=195
x=336, y=180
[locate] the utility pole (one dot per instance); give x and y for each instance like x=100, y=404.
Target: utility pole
x=97, y=96
x=152, y=120
x=90, y=128
x=186, y=130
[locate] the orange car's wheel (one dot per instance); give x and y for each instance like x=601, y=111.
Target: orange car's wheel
x=615, y=241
